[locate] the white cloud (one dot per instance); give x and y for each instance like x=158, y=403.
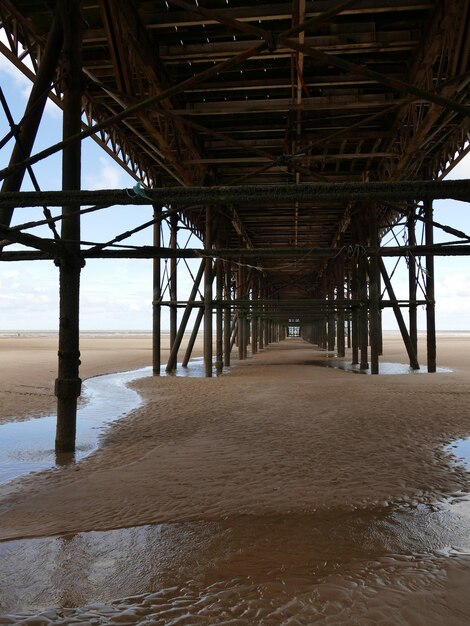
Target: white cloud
x=461, y=170
x=106, y=175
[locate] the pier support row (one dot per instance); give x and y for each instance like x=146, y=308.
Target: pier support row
x=348, y=308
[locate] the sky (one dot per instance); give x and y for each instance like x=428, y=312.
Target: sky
x=117, y=294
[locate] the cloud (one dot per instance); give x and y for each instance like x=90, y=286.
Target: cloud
x=461, y=170
x=105, y=175
x=20, y=82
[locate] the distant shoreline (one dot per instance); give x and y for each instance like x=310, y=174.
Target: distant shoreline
x=147, y=333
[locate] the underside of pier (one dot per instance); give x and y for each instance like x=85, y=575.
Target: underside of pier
x=289, y=137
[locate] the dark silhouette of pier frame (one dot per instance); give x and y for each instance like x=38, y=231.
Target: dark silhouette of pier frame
x=304, y=161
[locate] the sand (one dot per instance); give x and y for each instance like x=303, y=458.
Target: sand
x=28, y=367
x=276, y=439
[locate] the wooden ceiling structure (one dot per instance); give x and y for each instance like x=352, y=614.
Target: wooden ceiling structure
x=290, y=136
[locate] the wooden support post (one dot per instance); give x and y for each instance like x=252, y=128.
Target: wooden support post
x=34, y=111
x=430, y=293
x=192, y=339
x=374, y=294
x=68, y=383
x=400, y=320
x=412, y=284
x=363, y=321
x=208, y=297
x=172, y=359
x=173, y=278
x=227, y=313
x=157, y=296
x=219, y=361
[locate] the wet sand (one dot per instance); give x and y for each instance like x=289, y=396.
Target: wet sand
x=281, y=493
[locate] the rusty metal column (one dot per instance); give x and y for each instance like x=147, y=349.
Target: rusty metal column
x=173, y=278
x=219, y=360
x=348, y=297
x=227, y=313
x=33, y=112
x=374, y=294
x=68, y=383
x=412, y=283
x=363, y=321
x=355, y=312
x=399, y=316
x=208, y=296
x=157, y=295
x=172, y=359
x=241, y=312
x=254, y=317
x=340, y=299
x=430, y=294
x=261, y=316
x=267, y=322
x=331, y=313
x=192, y=339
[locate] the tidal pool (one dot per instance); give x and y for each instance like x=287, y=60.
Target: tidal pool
x=28, y=446
x=374, y=566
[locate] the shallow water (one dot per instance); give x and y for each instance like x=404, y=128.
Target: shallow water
x=460, y=448
x=333, y=567
x=384, y=367
x=28, y=446
x=385, y=566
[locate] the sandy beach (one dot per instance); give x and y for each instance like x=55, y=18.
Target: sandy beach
x=28, y=366
x=284, y=493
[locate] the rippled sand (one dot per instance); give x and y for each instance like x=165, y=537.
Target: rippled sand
x=282, y=493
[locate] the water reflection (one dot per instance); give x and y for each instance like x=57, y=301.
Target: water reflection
x=384, y=368
x=245, y=568
x=460, y=448
x=28, y=446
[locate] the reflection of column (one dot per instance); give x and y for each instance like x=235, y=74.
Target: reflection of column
x=70, y=577
x=430, y=295
x=68, y=383
x=157, y=294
